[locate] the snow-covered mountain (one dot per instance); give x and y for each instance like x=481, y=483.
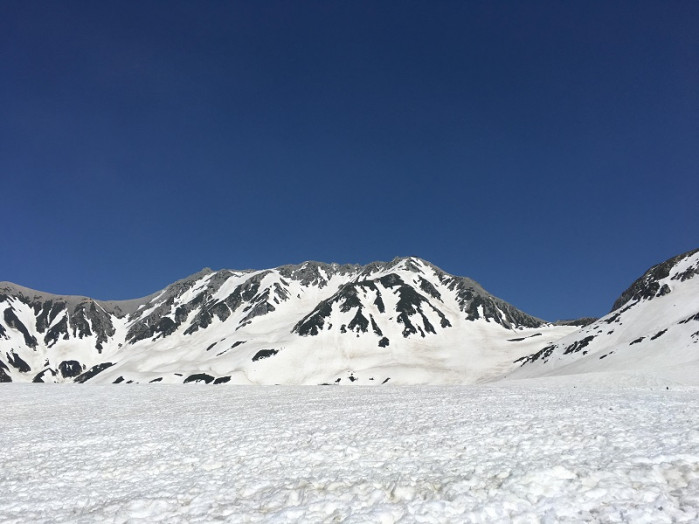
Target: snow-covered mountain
x=404, y=321
x=652, y=329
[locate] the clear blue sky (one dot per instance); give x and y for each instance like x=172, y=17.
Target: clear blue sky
x=549, y=150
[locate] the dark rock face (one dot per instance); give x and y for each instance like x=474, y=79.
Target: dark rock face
x=648, y=286
x=478, y=303
x=86, y=318
x=259, y=309
x=411, y=304
x=359, y=322
x=70, y=368
x=351, y=296
x=313, y=323
x=428, y=288
x=55, y=332
x=199, y=377
x=544, y=354
x=90, y=314
x=688, y=273
x=4, y=377
x=249, y=295
x=159, y=321
x=93, y=371
x=15, y=323
x=264, y=353
x=82, y=317
x=16, y=362
x=374, y=326
x=692, y=317
x=578, y=345
x=47, y=312
x=315, y=274
x=40, y=377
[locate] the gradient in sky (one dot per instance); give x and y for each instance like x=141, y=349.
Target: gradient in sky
x=549, y=150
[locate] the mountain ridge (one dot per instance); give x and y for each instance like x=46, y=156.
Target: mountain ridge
x=405, y=321
x=233, y=323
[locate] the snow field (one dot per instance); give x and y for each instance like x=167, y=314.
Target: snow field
x=522, y=452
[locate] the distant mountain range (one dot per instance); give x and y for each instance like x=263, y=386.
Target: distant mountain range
x=399, y=322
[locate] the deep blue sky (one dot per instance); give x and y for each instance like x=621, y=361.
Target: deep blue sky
x=549, y=150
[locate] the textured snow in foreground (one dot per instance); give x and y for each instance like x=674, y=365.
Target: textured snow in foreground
x=526, y=452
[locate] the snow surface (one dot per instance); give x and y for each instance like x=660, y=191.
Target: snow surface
x=527, y=451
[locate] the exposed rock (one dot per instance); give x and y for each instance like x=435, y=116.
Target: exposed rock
x=4, y=377
x=93, y=371
x=15, y=323
x=70, y=368
x=648, y=285
x=16, y=362
x=264, y=353
x=199, y=377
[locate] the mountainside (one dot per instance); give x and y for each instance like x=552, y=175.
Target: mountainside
x=653, y=329
x=404, y=321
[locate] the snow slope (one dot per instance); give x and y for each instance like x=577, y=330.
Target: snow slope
x=403, y=321
x=652, y=330
x=518, y=452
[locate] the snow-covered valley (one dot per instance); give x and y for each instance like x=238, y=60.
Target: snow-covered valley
x=523, y=451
